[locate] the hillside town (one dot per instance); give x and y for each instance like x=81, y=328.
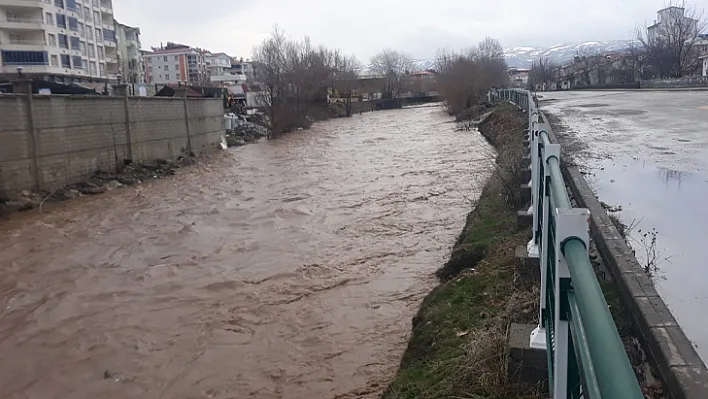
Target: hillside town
x=673, y=51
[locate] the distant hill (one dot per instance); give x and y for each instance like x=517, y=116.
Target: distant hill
x=522, y=57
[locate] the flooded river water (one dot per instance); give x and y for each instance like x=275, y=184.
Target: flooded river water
x=284, y=269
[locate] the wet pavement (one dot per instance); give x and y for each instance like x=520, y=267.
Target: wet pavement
x=283, y=269
x=648, y=153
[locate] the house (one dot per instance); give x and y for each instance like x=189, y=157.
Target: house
x=176, y=63
x=704, y=66
x=130, y=58
x=519, y=76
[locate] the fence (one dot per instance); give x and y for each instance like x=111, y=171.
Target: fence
x=48, y=141
x=586, y=357
x=678, y=83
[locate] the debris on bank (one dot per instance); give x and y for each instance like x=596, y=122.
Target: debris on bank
x=128, y=174
x=240, y=131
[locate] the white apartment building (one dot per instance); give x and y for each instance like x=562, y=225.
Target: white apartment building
x=176, y=64
x=67, y=41
x=130, y=58
x=667, y=19
x=217, y=64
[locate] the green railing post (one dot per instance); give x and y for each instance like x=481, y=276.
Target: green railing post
x=569, y=223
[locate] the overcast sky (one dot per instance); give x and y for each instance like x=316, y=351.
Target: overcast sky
x=363, y=27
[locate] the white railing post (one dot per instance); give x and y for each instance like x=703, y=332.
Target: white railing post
x=570, y=223
x=532, y=247
x=538, y=335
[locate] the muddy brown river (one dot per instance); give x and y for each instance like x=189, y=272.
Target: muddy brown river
x=284, y=269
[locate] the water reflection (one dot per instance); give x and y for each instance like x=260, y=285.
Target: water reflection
x=672, y=202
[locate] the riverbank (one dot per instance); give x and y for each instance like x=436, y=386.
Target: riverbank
x=99, y=182
x=458, y=346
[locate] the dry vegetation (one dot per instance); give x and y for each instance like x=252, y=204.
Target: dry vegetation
x=464, y=78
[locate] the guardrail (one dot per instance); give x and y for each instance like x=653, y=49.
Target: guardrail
x=586, y=357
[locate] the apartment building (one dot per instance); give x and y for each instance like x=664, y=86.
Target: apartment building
x=66, y=41
x=130, y=58
x=176, y=63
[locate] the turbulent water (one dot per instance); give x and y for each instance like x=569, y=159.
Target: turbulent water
x=285, y=269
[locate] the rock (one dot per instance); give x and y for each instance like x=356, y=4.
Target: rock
x=21, y=205
x=89, y=188
x=112, y=185
x=128, y=181
x=187, y=161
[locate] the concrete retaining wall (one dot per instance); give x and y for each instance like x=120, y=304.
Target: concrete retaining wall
x=58, y=140
x=680, y=366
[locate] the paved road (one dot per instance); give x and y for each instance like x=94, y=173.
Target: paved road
x=648, y=152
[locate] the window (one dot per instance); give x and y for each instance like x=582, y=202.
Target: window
x=59, y=3
x=101, y=53
x=98, y=35
x=89, y=32
x=82, y=45
x=49, y=18
x=91, y=50
x=81, y=29
x=52, y=40
x=77, y=62
x=176, y=58
x=73, y=24
x=24, y=58
x=176, y=67
x=63, y=41
x=149, y=60
x=92, y=67
x=87, y=13
x=71, y=5
x=165, y=59
x=65, y=61
x=167, y=77
x=75, y=43
x=179, y=77
x=96, y=3
x=167, y=68
x=150, y=69
x=97, y=18
x=102, y=69
x=61, y=20
x=55, y=60
x=109, y=35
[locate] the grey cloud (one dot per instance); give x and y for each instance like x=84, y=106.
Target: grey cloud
x=366, y=26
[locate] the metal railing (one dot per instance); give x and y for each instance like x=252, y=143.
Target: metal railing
x=586, y=357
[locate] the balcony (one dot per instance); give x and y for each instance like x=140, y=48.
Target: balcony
x=18, y=23
x=110, y=59
x=106, y=10
x=24, y=44
x=22, y=4
x=109, y=43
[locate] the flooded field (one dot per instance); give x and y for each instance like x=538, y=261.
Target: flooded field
x=284, y=269
x=648, y=153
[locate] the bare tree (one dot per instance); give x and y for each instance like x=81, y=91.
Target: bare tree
x=542, y=71
x=670, y=43
x=588, y=61
x=465, y=77
x=392, y=66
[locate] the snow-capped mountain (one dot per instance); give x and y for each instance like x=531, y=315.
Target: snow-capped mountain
x=522, y=57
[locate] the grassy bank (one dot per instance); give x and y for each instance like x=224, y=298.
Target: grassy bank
x=458, y=345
